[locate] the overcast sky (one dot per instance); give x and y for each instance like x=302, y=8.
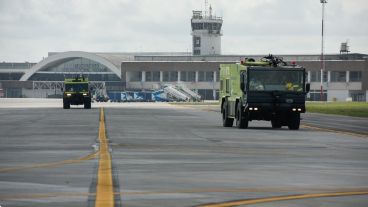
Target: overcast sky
x=29, y=29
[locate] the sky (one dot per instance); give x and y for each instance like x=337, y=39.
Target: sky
x=29, y=29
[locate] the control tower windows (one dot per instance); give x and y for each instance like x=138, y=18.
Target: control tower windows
x=196, y=41
x=197, y=26
x=196, y=52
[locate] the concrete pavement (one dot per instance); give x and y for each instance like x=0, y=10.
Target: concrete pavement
x=166, y=155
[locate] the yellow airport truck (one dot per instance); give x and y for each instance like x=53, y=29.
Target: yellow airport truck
x=269, y=89
x=76, y=92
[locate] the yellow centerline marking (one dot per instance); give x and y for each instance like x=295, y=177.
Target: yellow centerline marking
x=51, y=164
x=105, y=191
x=284, y=198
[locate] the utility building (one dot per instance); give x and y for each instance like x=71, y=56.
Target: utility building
x=206, y=32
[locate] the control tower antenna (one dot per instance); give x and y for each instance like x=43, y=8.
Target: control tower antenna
x=210, y=11
x=205, y=8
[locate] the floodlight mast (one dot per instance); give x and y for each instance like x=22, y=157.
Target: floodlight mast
x=323, y=2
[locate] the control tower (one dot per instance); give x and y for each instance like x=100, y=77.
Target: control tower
x=206, y=32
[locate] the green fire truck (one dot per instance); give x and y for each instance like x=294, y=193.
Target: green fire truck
x=269, y=89
x=76, y=92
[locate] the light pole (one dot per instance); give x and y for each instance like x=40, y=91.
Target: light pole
x=323, y=2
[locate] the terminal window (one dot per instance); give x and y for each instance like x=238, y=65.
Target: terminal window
x=170, y=76
x=315, y=95
x=201, y=76
x=359, y=96
x=338, y=76
x=187, y=76
x=153, y=76
x=173, y=76
x=205, y=76
x=355, y=76
x=316, y=76
x=209, y=76
x=165, y=76
x=135, y=76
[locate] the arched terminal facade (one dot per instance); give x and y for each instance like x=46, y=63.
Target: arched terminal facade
x=64, y=65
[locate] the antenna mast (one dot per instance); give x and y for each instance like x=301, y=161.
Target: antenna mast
x=323, y=2
x=205, y=8
x=210, y=11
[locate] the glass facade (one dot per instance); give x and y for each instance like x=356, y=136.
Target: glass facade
x=78, y=65
x=10, y=76
x=61, y=77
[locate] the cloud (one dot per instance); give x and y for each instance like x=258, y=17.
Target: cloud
x=31, y=28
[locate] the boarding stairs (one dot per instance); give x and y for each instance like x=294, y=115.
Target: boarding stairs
x=174, y=92
x=194, y=96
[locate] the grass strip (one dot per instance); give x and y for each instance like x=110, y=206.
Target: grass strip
x=355, y=109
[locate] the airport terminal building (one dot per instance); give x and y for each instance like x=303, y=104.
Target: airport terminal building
x=345, y=76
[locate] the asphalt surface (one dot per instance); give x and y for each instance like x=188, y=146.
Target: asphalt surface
x=335, y=122
x=330, y=122
x=166, y=155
